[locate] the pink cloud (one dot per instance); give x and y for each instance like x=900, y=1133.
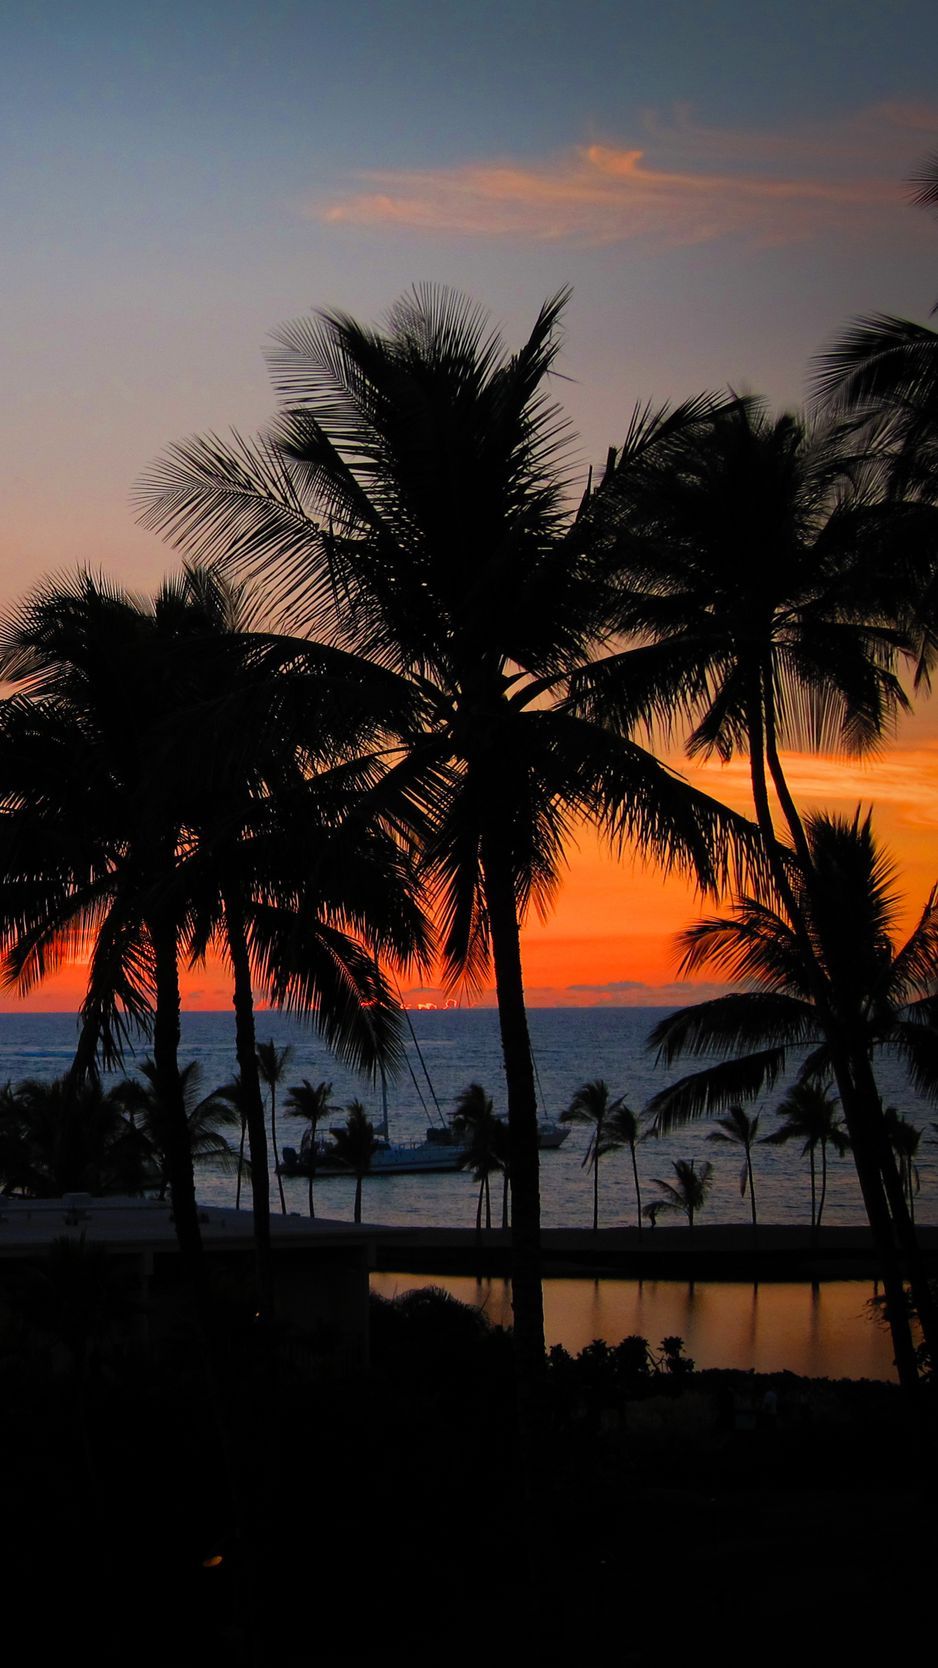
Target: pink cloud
x=687, y=184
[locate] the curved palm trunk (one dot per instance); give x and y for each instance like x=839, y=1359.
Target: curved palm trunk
x=358, y=1199
x=246, y=1050
x=527, y=1296
x=309, y=1188
x=866, y=1156
x=815, y=1213
x=596, y=1182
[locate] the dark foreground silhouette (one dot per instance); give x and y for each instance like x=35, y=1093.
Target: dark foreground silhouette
x=294, y=1514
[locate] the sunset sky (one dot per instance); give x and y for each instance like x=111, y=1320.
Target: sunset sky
x=723, y=184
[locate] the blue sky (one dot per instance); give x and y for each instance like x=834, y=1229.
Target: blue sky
x=178, y=180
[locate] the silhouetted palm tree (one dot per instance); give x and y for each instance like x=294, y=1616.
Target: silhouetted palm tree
x=411, y=502
x=905, y=1138
x=740, y=1130
x=624, y=1129
x=592, y=1105
x=62, y=1136
x=688, y=1192
x=880, y=994
x=809, y=1114
x=475, y=1125
x=883, y=373
x=355, y=1145
x=304, y=1100
x=272, y=1063
x=206, y=1117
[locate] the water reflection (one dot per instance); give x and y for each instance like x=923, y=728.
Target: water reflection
x=821, y=1331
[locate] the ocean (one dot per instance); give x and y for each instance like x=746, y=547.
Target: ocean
x=460, y=1046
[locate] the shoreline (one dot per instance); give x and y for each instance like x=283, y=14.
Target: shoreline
x=715, y=1252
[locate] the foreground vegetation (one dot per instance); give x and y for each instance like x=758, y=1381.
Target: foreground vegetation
x=305, y=1511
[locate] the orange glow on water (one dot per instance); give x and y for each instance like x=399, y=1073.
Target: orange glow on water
x=822, y=1332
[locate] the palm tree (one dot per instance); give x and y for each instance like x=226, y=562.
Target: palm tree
x=66, y=1137
x=355, y=1145
x=294, y=868
x=688, y=1192
x=738, y=1129
x=758, y=580
x=592, y=1105
x=312, y=1103
x=809, y=1114
x=91, y=826
x=474, y=1124
x=880, y=995
x=272, y=1063
x=411, y=503
x=883, y=374
x=624, y=1129
x=905, y=1138
x=206, y=1117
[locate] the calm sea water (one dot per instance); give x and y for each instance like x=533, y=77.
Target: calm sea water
x=460, y=1046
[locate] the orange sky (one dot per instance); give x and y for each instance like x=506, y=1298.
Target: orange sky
x=610, y=937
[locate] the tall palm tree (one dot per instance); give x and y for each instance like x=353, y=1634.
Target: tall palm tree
x=355, y=1144
x=881, y=994
x=592, y=1105
x=272, y=1063
x=412, y=503
x=88, y=839
x=624, y=1129
x=739, y=1130
x=757, y=577
x=809, y=1113
x=304, y=1100
x=689, y=1190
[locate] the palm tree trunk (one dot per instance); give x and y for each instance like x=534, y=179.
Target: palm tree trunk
x=166, y=1061
x=246, y=1050
x=596, y=1182
x=273, y=1142
x=309, y=1186
x=823, y=1180
x=488, y=1204
x=843, y=1059
x=638, y=1191
x=815, y=1214
x=479, y=1207
x=358, y=1199
x=244, y=1130
x=527, y=1296
x=752, y=1193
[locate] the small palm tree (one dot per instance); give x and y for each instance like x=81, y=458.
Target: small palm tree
x=272, y=1063
x=688, y=1192
x=475, y=1125
x=206, y=1116
x=313, y=1103
x=593, y=1106
x=740, y=1130
x=355, y=1145
x=624, y=1130
x=905, y=1139
x=810, y=1115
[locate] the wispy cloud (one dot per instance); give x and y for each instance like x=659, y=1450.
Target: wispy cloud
x=905, y=778
x=682, y=184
